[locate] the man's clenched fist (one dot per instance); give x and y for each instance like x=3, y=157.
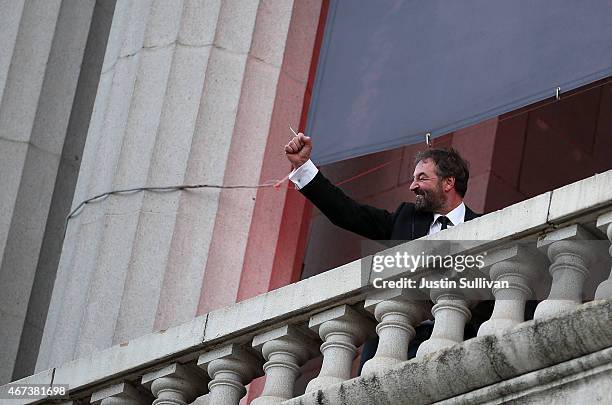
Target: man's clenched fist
x=298, y=150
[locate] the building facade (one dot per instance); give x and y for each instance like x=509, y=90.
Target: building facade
x=102, y=96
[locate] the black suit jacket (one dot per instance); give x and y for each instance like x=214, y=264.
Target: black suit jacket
x=405, y=223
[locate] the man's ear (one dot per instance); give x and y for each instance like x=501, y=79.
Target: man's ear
x=448, y=183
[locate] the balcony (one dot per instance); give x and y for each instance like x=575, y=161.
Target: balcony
x=554, y=247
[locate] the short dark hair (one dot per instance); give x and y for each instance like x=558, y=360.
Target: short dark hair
x=448, y=164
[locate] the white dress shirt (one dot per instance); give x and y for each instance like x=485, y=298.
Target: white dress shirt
x=456, y=216
x=305, y=173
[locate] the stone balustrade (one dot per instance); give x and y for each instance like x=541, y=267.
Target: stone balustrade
x=553, y=248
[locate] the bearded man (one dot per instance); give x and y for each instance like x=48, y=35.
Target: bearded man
x=439, y=183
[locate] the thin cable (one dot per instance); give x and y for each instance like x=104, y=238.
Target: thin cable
x=274, y=183
x=166, y=188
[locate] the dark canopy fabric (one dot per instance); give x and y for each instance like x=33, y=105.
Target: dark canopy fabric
x=392, y=70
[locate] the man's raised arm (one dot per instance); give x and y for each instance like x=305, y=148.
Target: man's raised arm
x=341, y=210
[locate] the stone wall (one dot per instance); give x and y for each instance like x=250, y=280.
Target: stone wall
x=187, y=95
x=44, y=51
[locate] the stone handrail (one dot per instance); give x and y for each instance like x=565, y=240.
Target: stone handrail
x=275, y=333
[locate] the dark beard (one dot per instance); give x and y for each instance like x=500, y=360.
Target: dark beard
x=427, y=201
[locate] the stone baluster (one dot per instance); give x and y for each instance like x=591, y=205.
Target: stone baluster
x=451, y=312
x=342, y=329
x=285, y=349
x=120, y=394
x=176, y=384
x=519, y=267
x=604, y=290
x=398, y=312
x=231, y=368
x=569, y=255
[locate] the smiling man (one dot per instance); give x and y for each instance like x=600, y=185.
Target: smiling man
x=439, y=183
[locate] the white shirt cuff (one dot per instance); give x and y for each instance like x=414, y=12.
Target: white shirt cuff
x=303, y=174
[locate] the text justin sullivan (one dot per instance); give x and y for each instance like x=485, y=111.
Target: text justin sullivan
x=462, y=282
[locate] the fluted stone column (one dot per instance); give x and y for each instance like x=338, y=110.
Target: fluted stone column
x=451, y=312
x=119, y=394
x=183, y=82
x=285, y=349
x=520, y=267
x=342, y=329
x=42, y=46
x=398, y=312
x=569, y=253
x=230, y=368
x=176, y=384
x=604, y=290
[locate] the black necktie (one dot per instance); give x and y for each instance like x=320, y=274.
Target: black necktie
x=444, y=221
